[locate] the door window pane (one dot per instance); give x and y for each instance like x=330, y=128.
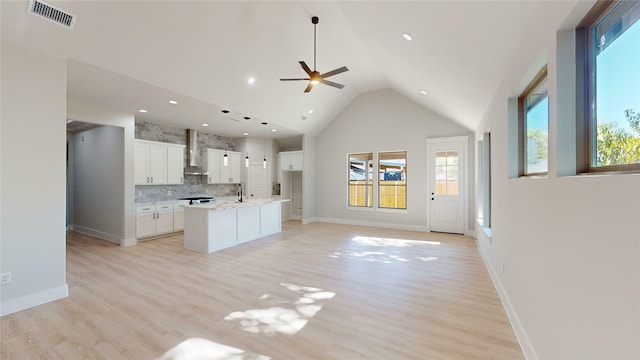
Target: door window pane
x=446, y=175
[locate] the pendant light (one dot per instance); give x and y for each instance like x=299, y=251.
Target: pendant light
x=246, y=158
x=225, y=157
x=264, y=160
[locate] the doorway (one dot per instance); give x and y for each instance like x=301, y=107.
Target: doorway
x=447, y=184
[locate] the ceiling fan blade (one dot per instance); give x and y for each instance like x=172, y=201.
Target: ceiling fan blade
x=305, y=67
x=294, y=79
x=334, y=72
x=331, y=83
x=308, y=88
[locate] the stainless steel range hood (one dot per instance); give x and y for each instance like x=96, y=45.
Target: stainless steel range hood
x=193, y=167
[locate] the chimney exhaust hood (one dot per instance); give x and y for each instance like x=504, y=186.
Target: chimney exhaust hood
x=193, y=168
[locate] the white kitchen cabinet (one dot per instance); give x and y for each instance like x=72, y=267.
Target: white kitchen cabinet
x=145, y=221
x=154, y=219
x=270, y=219
x=158, y=163
x=248, y=223
x=231, y=173
x=175, y=164
x=178, y=215
x=211, y=163
x=291, y=161
x=164, y=218
x=212, y=160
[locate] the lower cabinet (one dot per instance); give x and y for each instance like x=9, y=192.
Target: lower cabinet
x=178, y=216
x=158, y=219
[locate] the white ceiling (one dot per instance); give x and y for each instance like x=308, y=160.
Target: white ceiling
x=134, y=55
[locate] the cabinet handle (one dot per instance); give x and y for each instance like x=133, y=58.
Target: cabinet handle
x=147, y=179
x=181, y=180
x=152, y=179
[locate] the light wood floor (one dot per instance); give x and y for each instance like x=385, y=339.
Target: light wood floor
x=317, y=291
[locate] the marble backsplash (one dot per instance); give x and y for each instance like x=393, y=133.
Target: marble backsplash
x=193, y=185
x=154, y=193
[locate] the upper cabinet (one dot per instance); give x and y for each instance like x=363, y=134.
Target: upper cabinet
x=213, y=163
x=291, y=160
x=158, y=163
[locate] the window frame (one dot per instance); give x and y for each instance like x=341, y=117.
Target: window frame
x=369, y=182
x=379, y=187
x=586, y=120
x=539, y=79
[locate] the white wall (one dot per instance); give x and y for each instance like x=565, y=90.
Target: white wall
x=32, y=243
x=569, y=245
x=98, y=186
x=90, y=112
x=377, y=121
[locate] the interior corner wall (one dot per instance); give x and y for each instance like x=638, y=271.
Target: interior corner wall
x=98, y=173
x=565, y=250
x=379, y=121
x=33, y=239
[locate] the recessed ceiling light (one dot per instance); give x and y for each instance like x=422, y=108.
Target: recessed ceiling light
x=310, y=111
x=251, y=80
x=173, y=102
x=423, y=92
x=246, y=134
x=142, y=110
x=407, y=37
x=205, y=124
x=274, y=130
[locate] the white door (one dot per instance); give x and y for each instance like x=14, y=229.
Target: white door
x=447, y=184
x=258, y=182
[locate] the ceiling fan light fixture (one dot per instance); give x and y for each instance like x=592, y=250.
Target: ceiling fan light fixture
x=315, y=77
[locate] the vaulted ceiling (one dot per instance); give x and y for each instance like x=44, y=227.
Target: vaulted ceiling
x=133, y=55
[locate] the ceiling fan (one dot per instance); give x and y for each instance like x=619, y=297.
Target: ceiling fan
x=314, y=76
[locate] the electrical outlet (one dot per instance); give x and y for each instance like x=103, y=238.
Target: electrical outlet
x=170, y=192
x=139, y=192
x=5, y=278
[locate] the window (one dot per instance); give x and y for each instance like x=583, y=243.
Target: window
x=447, y=182
x=361, y=180
x=484, y=182
x=533, y=118
x=392, y=180
x=609, y=70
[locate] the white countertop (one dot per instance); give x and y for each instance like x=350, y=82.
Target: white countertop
x=221, y=204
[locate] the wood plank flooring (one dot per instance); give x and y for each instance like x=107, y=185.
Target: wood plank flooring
x=316, y=291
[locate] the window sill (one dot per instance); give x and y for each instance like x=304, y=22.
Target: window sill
x=360, y=208
x=397, y=211
x=486, y=230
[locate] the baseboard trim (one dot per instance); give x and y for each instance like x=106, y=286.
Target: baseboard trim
x=525, y=344
x=98, y=234
x=32, y=300
x=129, y=242
x=372, y=224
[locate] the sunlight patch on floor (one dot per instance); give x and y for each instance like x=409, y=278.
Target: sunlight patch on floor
x=203, y=349
x=289, y=316
x=378, y=241
x=387, y=250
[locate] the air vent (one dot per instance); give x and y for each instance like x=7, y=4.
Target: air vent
x=51, y=13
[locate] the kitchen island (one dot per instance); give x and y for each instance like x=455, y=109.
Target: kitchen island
x=217, y=226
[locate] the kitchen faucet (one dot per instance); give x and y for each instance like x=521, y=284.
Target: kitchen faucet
x=240, y=192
